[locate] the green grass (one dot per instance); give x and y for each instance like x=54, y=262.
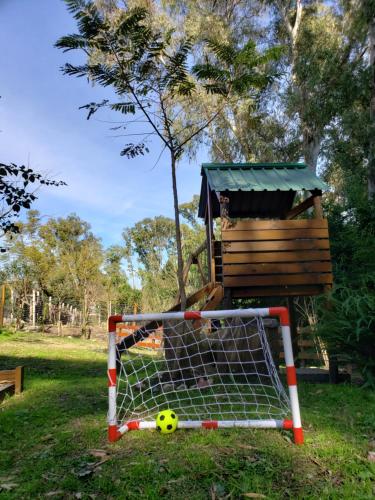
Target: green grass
x=49, y=434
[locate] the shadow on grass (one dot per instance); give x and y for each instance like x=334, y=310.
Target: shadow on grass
x=60, y=368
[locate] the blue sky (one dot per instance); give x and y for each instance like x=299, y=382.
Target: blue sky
x=41, y=126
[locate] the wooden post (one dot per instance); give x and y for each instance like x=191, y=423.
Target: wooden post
x=135, y=310
x=18, y=380
x=293, y=329
x=318, y=207
x=50, y=309
x=33, y=307
x=209, y=230
x=12, y=304
x=2, y=306
x=59, y=326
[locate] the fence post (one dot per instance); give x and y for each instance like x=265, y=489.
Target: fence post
x=50, y=309
x=2, y=306
x=33, y=306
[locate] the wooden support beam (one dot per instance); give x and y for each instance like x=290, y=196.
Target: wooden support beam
x=308, y=203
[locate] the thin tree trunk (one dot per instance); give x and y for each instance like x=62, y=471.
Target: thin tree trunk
x=180, y=262
x=311, y=148
x=371, y=163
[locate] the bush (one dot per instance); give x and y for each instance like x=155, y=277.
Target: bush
x=347, y=324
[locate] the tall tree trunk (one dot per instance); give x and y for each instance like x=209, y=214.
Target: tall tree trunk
x=371, y=163
x=180, y=262
x=311, y=148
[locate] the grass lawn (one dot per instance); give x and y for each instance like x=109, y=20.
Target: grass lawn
x=53, y=441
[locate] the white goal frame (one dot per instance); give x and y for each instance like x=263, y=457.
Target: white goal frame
x=117, y=429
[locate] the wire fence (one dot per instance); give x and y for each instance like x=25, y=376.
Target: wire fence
x=38, y=311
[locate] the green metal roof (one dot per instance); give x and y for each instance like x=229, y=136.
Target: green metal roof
x=256, y=189
x=261, y=177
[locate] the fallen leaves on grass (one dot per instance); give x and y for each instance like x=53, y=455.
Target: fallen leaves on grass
x=253, y=495
x=247, y=447
x=99, y=453
x=47, y=437
x=218, y=491
x=8, y=486
x=88, y=468
x=371, y=456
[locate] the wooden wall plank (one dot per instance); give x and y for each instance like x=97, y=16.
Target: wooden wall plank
x=277, y=268
x=277, y=291
x=302, y=256
x=278, y=279
x=253, y=225
x=274, y=234
x=282, y=245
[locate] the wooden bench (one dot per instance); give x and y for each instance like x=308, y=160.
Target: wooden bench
x=11, y=381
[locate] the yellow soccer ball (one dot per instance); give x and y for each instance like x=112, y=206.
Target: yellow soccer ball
x=166, y=421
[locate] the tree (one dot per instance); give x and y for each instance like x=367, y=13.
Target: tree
x=150, y=247
x=79, y=255
x=120, y=296
x=147, y=65
x=16, y=193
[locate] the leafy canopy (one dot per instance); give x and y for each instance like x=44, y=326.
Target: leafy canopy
x=17, y=193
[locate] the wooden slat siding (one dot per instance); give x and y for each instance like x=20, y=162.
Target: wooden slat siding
x=279, y=246
x=261, y=268
x=278, y=279
x=277, y=257
x=255, y=225
x=274, y=234
x=250, y=257
x=306, y=356
x=276, y=291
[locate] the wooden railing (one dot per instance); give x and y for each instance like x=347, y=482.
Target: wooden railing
x=280, y=257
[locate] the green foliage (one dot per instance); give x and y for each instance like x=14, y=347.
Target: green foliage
x=238, y=71
x=347, y=324
x=64, y=260
x=347, y=318
x=16, y=182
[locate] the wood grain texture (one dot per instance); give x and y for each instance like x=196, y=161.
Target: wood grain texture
x=266, y=246
x=301, y=256
x=277, y=291
x=277, y=268
x=279, y=279
x=275, y=234
x=254, y=225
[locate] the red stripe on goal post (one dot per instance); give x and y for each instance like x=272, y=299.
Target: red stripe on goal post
x=111, y=377
x=113, y=433
x=112, y=322
x=282, y=313
x=298, y=435
x=133, y=425
x=287, y=424
x=210, y=424
x=291, y=375
x=192, y=315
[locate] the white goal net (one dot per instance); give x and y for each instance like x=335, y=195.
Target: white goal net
x=214, y=369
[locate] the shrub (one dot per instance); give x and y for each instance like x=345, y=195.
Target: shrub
x=347, y=324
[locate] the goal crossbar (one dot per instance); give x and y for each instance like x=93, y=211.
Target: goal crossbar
x=116, y=429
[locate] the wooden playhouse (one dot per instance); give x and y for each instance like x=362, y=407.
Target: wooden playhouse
x=269, y=243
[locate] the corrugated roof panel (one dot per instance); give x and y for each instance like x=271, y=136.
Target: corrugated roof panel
x=257, y=189
x=260, y=177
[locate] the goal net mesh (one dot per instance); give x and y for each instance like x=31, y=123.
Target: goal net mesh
x=202, y=369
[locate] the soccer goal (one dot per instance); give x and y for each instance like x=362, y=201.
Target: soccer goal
x=214, y=369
